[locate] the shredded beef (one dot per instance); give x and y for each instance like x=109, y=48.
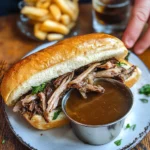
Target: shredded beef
x=88, y=88
x=107, y=65
x=81, y=79
x=110, y=73
x=127, y=73
x=32, y=106
x=83, y=75
x=28, y=99
x=54, y=99
x=48, y=91
x=43, y=100
x=59, y=80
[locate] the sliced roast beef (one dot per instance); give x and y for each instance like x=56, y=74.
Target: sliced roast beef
x=127, y=73
x=107, y=65
x=59, y=80
x=90, y=78
x=83, y=75
x=48, y=91
x=28, y=99
x=32, y=106
x=54, y=99
x=90, y=88
x=17, y=107
x=43, y=100
x=110, y=73
x=23, y=110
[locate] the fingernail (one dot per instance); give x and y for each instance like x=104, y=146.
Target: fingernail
x=138, y=51
x=129, y=42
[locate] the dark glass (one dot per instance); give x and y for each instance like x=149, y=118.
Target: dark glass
x=110, y=12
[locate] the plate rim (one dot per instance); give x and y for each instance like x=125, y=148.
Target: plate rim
x=128, y=146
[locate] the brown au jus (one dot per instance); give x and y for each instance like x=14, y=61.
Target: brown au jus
x=99, y=109
x=81, y=79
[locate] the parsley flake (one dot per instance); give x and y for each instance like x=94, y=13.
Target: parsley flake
x=133, y=127
x=127, y=57
x=56, y=114
x=128, y=126
x=121, y=64
x=37, y=89
x=145, y=90
x=3, y=142
x=118, y=142
x=144, y=100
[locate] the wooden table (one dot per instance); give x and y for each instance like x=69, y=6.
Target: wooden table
x=14, y=45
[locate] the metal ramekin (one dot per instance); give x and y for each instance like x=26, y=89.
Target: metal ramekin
x=98, y=134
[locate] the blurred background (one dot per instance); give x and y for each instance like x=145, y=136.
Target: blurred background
x=11, y=6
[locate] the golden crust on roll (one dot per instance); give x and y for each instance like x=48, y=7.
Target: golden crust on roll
x=38, y=122
x=64, y=51
x=135, y=76
x=58, y=64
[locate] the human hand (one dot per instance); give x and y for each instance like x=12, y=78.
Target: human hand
x=139, y=17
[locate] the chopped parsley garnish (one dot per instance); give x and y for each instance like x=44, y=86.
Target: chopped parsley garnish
x=144, y=100
x=3, y=142
x=121, y=63
x=56, y=114
x=118, y=142
x=128, y=126
x=133, y=127
x=127, y=57
x=37, y=89
x=145, y=90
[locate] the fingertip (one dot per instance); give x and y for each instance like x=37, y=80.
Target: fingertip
x=128, y=41
x=138, y=51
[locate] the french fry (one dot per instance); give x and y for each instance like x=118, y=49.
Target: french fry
x=38, y=33
x=53, y=26
x=54, y=36
x=38, y=12
x=71, y=25
x=65, y=19
x=51, y=19
x=74, y=6
x=64, y=7
x=43, y=4
x=41, y=19
x=55, y=11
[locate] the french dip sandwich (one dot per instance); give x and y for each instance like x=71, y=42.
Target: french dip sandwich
x=36, y=84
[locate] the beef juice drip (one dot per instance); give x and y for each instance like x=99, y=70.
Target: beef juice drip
x=110, y=14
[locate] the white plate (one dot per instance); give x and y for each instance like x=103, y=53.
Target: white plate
x=56, y=139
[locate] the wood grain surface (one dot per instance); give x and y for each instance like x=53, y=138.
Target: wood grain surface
x=14, y=45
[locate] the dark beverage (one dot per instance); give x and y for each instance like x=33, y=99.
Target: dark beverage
x=110, y=13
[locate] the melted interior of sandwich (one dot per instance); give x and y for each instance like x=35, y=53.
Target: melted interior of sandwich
x=46, y=97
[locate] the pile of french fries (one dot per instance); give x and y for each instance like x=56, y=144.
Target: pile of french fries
x=51, y=19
